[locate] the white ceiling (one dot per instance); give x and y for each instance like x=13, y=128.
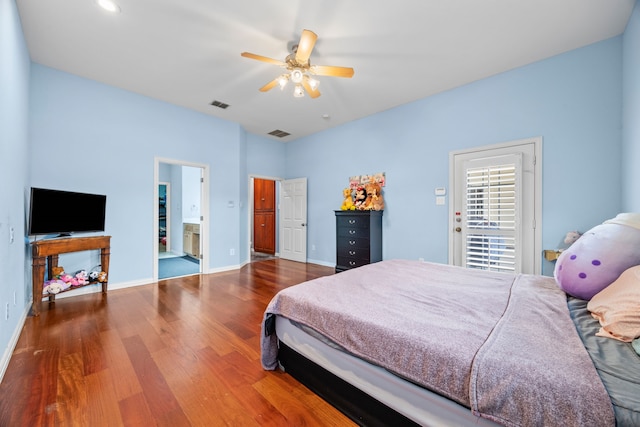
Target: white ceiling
x=187, y=52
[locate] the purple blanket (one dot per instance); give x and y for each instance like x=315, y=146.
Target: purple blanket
x=502, y=345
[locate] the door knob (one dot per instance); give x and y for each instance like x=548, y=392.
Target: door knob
x=303, y=224
x=458, y=229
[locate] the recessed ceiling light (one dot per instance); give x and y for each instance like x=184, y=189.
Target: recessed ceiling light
x=109, y=6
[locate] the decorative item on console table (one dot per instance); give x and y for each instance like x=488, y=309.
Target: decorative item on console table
x=358, y=238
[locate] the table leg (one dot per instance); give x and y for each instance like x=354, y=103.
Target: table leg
x=37, y=278
x=104, y=262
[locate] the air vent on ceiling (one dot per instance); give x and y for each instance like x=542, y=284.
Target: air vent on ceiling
x=279, y=133
x=219, y=104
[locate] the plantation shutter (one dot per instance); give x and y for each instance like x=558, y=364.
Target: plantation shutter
x=492, y=213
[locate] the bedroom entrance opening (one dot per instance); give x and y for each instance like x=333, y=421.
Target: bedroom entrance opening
x=495, y=200
x=288, y=218
x=264, y=219
x=180, y=219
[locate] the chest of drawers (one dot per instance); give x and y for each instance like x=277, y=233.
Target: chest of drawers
x=358, y=238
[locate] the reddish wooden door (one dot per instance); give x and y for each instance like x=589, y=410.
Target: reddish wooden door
x=264, y=216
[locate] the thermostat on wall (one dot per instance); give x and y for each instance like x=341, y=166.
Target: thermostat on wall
x=440, y=191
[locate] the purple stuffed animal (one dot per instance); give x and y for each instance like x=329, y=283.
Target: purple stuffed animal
x=599, y=256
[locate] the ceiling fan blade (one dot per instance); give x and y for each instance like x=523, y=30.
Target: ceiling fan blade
x=307, y=42
x=269, y=85
x=262, y=58
x=329, y=70
x=314, y=93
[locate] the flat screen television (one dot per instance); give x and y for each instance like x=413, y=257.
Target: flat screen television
x=65, y=212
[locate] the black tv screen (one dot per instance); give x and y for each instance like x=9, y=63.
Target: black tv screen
x=65, y=212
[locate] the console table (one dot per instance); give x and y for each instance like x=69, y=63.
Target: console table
x=49, y=249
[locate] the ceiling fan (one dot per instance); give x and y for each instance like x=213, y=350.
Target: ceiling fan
x=299, y=69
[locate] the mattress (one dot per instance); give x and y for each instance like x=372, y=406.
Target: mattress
x=414, y=402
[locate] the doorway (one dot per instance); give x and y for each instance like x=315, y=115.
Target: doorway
x=180, y=242
x=290, y=214
x=264, y=217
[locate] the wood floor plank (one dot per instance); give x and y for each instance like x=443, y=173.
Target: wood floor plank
x=134, y=411
x=102, y=408
x=71, y=394
x=125, y=381
x=158, y=395
x=181, y=352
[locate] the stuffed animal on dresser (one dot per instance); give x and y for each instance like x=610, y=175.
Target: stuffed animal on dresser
x=375, y=190
x=360, y=197
x=347, y=204
x=374, y=199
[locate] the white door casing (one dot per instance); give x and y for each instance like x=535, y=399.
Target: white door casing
x=495, y=207
x=293, y=220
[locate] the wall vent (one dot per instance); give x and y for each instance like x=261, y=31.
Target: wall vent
x=219, y=104
x=279, y=133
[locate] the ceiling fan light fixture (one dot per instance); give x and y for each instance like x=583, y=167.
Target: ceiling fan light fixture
x=296, y=75
x=299, y=69
x=282, y=81
x=298, y=92
x=313, y=83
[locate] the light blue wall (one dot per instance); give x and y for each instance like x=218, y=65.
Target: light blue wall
x=265, y=157
x=90, y=137
x=572, y=100
x=14, y=174
x=631, y=115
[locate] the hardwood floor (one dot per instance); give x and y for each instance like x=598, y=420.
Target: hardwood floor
x=182, y=352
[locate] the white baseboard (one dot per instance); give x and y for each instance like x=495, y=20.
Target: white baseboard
x=226, y=268
x=323, y=263
x=6, y=357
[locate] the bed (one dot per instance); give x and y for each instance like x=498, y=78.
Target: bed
x=412, y=343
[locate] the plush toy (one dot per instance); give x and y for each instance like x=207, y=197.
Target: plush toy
x=599, y=256
x=67, y=278
x=375, y=192
x=361, y=195
x=102, y=277
x=57, y=271
x=347, y=204
x=374, y=199
x=82, y=277
x=54, y=286
x=571, y=237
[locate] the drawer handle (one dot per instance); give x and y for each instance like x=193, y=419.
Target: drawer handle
x=352, y=231
x=352, y=263
x=352, y=252
x=352, y=221
x=352, y=242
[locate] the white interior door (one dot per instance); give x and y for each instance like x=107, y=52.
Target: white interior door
x=293, y=220
x=495, y=195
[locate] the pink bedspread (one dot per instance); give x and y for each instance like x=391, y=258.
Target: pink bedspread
x=502, y=345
